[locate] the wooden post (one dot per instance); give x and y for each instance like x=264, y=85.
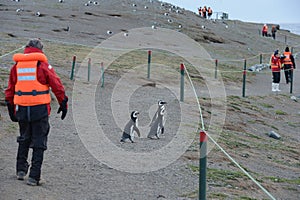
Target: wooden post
x=202, y=165
x=244, y=77
x=182, y=82
x=73, y=68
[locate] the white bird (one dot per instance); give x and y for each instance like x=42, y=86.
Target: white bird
x=294, y=98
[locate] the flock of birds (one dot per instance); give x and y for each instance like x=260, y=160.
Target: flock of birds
x=157, y=125
x=168, y=7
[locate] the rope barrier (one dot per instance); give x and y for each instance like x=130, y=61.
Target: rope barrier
x=2, y=56
x=221, y=148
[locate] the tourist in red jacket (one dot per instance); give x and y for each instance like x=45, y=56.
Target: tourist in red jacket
x=276, y=67
x=265, y=30
x=28, y=100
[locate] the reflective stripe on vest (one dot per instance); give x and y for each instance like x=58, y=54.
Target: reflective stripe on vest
x=274, y=66
x=28, y=90
x=287, y=60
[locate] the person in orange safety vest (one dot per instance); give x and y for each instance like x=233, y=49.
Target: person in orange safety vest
x=288, y=64
x=28, y=101
x=200, y=11
x=209, y=12
x=204, y=11
x=265, y=30
x=275, y=62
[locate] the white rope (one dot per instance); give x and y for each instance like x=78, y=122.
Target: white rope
x=199, y=107
x=2, y=56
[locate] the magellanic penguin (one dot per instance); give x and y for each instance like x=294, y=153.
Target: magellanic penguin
x=130, y=127
x=158, y=122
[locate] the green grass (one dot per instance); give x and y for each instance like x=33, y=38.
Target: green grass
x=219, y=196
x=219, y=174
x=280, y=112
x=192, y=195
x=274, y=127
x=284, y=180
x=266, y=105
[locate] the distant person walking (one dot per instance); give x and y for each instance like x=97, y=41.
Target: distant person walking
x=275, y=67
x=265, y=30
x=288, y=65
x=204, y=11
x=28, y=101
x=273, y=31
x=200, y=11
x=209, y=12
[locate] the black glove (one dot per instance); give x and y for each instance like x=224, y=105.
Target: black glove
x=11, y=111
x=63, y=108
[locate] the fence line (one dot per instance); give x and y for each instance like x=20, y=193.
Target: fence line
x=221, y=148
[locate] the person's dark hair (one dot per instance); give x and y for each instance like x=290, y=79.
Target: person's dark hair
x=287, y=49
x=35, y=43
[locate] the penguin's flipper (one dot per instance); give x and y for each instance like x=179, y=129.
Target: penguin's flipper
x=162, y=130
x=137, y=131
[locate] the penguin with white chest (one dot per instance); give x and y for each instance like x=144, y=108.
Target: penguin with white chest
x=130, y=127
x=158, y=121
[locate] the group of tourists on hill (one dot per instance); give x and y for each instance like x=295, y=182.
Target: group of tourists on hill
x=265, y=31
x=205, y=12
x=278, y=62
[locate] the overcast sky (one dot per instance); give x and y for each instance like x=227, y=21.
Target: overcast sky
x=262, y=11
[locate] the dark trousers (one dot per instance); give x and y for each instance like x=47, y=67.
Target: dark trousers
x=32, y=135
x=288, y=72
x=276, y=77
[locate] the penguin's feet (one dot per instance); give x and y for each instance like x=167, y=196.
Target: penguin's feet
x=122, y=141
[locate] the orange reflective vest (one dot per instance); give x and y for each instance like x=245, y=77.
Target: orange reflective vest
x=287, y=60
x=275, y=64
x=209, y=11
x=28, y=90
x=265, y=29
